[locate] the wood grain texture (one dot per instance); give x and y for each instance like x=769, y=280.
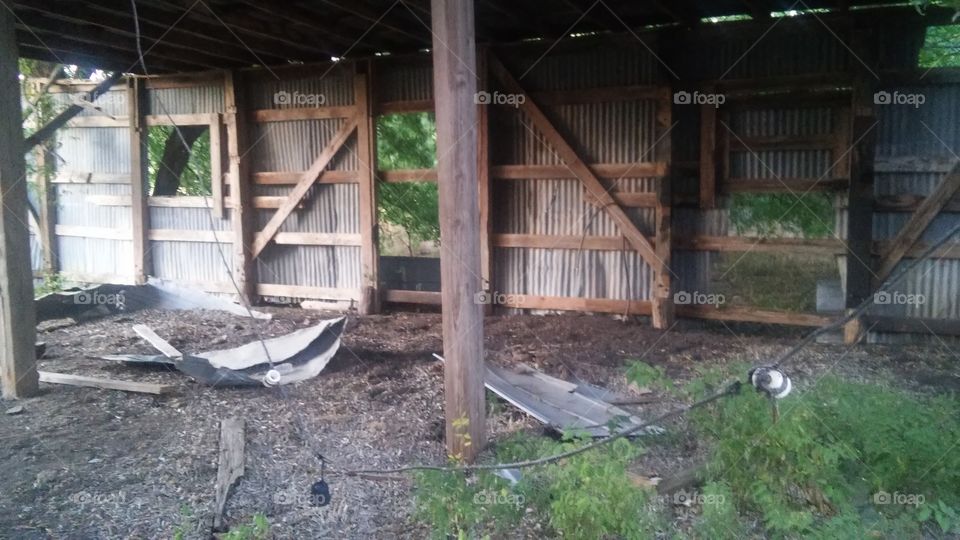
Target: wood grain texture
x=231, y=465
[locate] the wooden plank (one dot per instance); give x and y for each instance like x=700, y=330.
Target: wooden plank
x=197, y=119
x=180, y=235
x=598, y=95
x=156, y=341
x=911, y=325
x=484, y=183
x=407, y=175
x=950, y=250
x=290, y=178
x=812, y=246
x=52, y=126
x=564, y=303
x=662, y=309
x=612, y=171
x=858, y=273
x=98, y=122
x=782, y=142
x=913, y=164
x=80, y=177
x=455, y=87
x=303, y=291
x=398, y=296
x=306, y=181
x=918, y=223
x=216, y=165
x=573, y=161
x=782, y=185
x=106, y=233
x=366, y=156
x=242, y=215
x=748, y=314
x=399, y=107
x=45, y=164
x=137, y=103
x=303, y=113
x=317, y=239
x=604, y=243
x=708, y=156
x=105, y=384
x=231, y=465
x=18, y=366
x=909, y=202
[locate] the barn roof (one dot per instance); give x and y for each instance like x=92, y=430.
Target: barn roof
x=192, y=35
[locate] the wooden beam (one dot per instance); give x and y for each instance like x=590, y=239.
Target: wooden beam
x=105, y=384
x=918, y=223
x=398, y=296
x=750, y=314
x=455, y=88
x=242, y=214
x=137, y=105
x=911, y=325
x=611, y=171
x=366, y=157
x=575, y=164
x=47, y=130
x=304, y=113
x=306, y=182
x=18, y=366
x=483, y=180
x=708, y=156
x=407, y=175
x=662, y=313
x=230, y=465
x=46, y=163
x=216, y=165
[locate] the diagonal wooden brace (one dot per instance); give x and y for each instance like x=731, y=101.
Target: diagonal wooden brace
x=306, y=181
x=570, y=158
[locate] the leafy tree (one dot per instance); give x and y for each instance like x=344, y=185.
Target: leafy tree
x=409, y=141
x=776, y=214
x=173, y=170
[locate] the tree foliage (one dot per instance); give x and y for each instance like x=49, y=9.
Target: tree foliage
x=409, y=141
x=195, y=176
x=808, y=215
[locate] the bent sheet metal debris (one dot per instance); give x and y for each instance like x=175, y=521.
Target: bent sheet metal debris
x=560, y=404
x=295, y=357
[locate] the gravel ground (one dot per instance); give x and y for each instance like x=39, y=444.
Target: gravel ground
x=88, y=463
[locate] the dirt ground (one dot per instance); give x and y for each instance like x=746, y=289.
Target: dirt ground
x=88, y=463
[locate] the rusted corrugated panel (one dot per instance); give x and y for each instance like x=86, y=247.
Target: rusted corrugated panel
x=404, y=79
x=329, y=86
x=186, y=100
x=928, y=131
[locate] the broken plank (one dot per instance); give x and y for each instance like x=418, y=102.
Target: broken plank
x=106, y=384
x=158, y=342
x=231, y=465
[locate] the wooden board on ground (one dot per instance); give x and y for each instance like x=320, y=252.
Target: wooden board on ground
x=106, y=384
x=231, y=464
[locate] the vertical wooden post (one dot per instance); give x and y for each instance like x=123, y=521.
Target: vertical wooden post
x=708, y=156
x=366, y=155
x=242, y=213
x=455, y=87
x=484, y=182
x=48, y=207
x=859, y=264
x=662, y=300
x=18, y=365
x=137, y=108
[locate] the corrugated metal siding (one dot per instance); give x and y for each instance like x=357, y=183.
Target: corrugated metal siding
x=929, y=131
x=617, y=132
x=404, y=79
x=292, y=146
x=187, y=100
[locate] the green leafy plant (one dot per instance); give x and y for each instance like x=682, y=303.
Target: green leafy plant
x=52, y=282
x=809, y=215
x=257, y=529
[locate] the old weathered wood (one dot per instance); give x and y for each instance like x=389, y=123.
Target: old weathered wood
x=366, y=156
x=575, y=163
x=306, y=113
x=231, y=465
x=18, y=367
x=484, y=182
x=662, y=314
x=307, y=179
x=156, y=341
x=242, y=215
x=46, y=163
x=105, y=384
x=455, y=87
x=708, y=156
x=137, y=104
x=918, y=223
x=749, y=314
x=613, y=171
x=216, y=165
x=58, y=122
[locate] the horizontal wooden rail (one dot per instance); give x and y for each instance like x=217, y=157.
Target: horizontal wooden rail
x=303, y=291
x=277, y=178
x=781, y=185
x=783, y=142
x=602, y=170
x=913, y=325
x=749, y=314
x=178, y=235
x=407, y=175
x=398, y=296
x=301, y=113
